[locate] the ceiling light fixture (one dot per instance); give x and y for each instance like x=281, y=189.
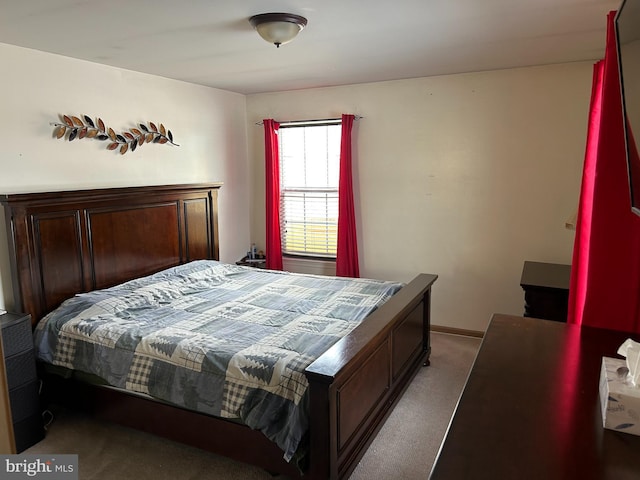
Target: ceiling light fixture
x=278, y=28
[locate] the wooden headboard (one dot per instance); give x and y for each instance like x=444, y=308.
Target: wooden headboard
x=63, y=243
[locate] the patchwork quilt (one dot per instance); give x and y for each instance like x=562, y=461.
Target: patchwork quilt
x=225, y=340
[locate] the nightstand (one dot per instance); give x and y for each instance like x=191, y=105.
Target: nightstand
x=22, y=380
x=255, y=263
x=546, y=290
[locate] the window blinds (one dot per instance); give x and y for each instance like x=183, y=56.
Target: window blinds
x=309, y=170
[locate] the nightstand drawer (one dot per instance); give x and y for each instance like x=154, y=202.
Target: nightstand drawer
x=21, y=369
x=24, y=401
x=28, y=432
x=16, y=334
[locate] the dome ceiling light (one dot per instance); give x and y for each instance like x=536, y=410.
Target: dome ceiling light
x=278, y=28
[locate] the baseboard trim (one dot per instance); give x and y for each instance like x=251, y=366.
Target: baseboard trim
x=457, y=331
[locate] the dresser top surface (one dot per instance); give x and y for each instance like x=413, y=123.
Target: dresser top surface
x=531, y=409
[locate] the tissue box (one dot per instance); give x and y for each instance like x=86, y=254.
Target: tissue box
x=620, y=400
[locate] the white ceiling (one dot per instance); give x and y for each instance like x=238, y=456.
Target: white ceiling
x=210, y=42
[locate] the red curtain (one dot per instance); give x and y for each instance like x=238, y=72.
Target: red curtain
x=605, y=274
x=581, y=248
x=273, y=245
x=347, y=254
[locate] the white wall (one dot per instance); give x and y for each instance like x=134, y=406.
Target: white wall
x=209, y=125
x=465, y=176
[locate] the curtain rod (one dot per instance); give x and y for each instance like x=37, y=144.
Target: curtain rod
x=323, y=120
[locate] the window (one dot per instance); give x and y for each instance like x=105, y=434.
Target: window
x=309, y=175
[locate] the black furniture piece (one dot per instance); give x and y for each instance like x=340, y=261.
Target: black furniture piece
x=546, y=290
x=530, y=409
x=22, y=380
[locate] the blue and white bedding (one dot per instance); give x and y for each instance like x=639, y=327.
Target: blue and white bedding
x=221, y=339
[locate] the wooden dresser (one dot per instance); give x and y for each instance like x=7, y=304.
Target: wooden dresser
x=546, y=290
x=530, y=408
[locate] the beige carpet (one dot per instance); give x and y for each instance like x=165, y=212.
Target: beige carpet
x=405, y=447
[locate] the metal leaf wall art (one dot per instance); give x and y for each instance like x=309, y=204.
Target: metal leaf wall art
x=73, y=127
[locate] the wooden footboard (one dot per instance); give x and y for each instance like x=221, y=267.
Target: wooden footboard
x=356, y=383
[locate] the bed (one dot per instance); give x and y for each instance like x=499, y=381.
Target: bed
x=65, y=243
